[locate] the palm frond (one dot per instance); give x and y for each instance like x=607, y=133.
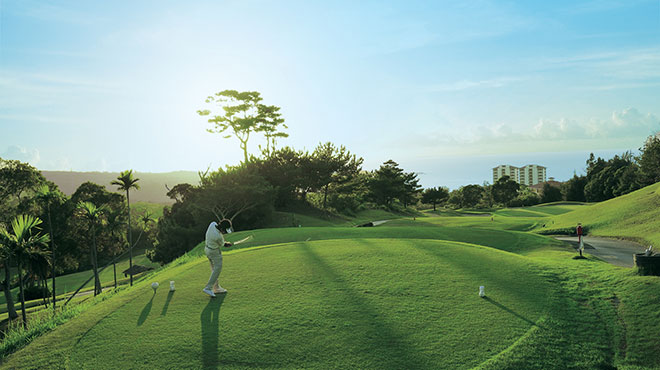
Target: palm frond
x=126, y=181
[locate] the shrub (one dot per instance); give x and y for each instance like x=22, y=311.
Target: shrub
x=36, y=292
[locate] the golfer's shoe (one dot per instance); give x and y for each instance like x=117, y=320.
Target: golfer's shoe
x=219, y=290
x=209, y=292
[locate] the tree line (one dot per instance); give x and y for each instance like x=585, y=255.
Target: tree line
x=604, y=179
x=329, y=179
x=44, y=233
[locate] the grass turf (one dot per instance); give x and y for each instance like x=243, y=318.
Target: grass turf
x=365, y=303
x=369, y=302
x=632, y=216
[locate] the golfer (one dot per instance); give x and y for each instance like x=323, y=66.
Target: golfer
x=579, y=231
x=215, y=241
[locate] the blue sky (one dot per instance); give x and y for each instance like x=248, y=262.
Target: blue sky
x=447, y=89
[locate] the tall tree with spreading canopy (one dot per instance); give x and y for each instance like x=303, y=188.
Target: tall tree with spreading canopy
x=126, y=182
x=435, y=195
x=387, y=183
x=471, y=195
x=242, y=114
x=411, y=189
x=331, y=164
x=649, y=161
x=504, y=190
x=23, y=242
x=270, y=119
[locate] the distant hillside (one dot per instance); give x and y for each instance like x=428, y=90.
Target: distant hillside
x=152, y=185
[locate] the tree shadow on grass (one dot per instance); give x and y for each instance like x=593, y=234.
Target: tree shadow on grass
x=167, y=303
x=209, y=319
x=145, y=311
x=377, y=334
x=472, y=268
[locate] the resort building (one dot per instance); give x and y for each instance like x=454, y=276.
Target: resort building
x=529, y=175
x=506, y=170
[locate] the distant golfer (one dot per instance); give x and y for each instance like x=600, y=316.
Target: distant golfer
x=579, y=232
x=215, y=241
x=578, y=229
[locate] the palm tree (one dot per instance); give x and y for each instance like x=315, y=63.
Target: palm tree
x=93, y=214
x=114, y=226
x=126, y=181
x=5, y=255
x=38, y=264
x=24, y=242
x=48, y=196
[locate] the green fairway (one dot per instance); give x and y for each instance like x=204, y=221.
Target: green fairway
x=399, y=295
x=517, y=242
x=634, y=216
x=358, y=303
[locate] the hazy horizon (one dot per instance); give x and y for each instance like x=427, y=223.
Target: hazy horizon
x=447, y=90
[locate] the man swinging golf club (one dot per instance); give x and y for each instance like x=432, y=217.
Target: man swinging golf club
x=215, y=241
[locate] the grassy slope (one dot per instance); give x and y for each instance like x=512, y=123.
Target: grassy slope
x=596, y=315
x=70, y=282
x=155, y=209
x=634, y=216
x=363, y=303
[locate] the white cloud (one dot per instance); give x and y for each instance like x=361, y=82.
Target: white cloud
x=622, y=129
x=22, y=154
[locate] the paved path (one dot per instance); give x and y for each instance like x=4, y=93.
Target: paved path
x=614, y=251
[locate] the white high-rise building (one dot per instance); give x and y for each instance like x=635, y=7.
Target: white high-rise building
x=530, y=174
x=506, y=170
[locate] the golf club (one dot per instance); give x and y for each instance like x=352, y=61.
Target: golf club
x=247, y=238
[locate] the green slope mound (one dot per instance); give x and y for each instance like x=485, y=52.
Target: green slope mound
x=634, y=216
x=365, y=303
x=516, y=242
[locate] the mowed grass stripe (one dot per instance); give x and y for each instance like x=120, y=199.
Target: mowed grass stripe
x=368, y=303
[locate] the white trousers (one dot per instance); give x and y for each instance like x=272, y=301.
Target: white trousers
x=215, y=258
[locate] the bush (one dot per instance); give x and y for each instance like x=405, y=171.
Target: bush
x=36, y=292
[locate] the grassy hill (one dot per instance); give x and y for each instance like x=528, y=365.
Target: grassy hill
x=152, y=185
x=634, y=216
x=400, y=295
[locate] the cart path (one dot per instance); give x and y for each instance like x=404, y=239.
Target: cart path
x=614, y=251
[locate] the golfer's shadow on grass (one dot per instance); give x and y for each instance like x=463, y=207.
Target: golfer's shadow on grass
x=145, y=311
x=209, y=320
x=514, y=313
